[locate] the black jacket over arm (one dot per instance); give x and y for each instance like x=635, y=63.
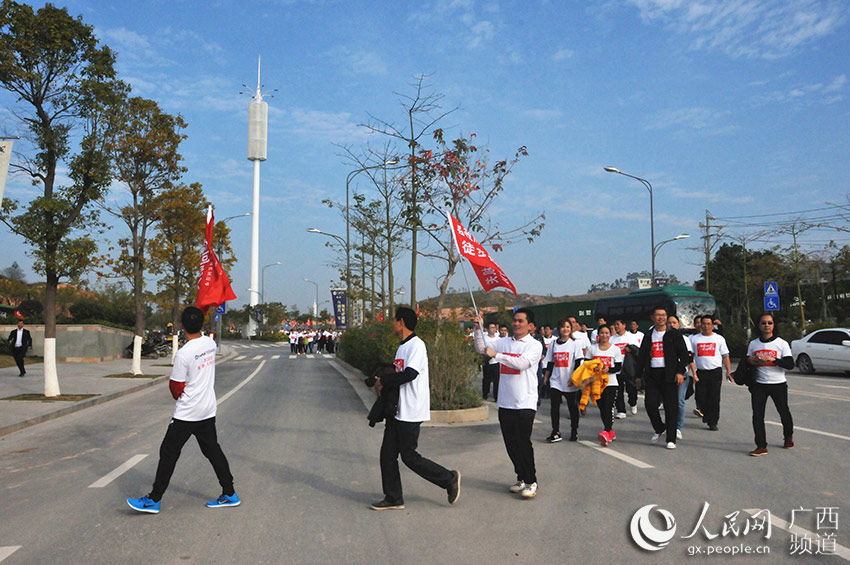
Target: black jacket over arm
x=676, y=356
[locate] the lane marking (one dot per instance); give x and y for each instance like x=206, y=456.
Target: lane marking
x=832, y=386
x=8, y=550
x=617, y=455
x=257, y=357
x=820, y=395
x=243, y=383
x=812, y=431
x=120, y=470
x=840, y=550
x=293, y=356
x=310, y=356
x=275, y=356
x=241, y=357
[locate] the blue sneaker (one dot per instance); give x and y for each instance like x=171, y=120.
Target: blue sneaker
x=224, y=500
x=144, y=504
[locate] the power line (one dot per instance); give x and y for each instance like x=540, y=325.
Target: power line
x=725, y=218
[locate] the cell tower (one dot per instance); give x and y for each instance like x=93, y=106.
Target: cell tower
x=258, y=118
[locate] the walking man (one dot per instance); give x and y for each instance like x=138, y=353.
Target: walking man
x=491, y=366
x=20, y=340
x=192, y=384
x=518, y=357
x=401, y=433
x=662, y=360
x=710, y=354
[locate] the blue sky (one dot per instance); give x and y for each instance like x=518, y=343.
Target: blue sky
x=738, y=107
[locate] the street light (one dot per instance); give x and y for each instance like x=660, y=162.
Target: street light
x=316, y=303
x=657, y=247
x=648, y=186
x=336, y=237
x=263, y=280
x=221, y=239
x=391, y=161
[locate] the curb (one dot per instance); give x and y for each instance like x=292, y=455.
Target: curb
x=76, y=407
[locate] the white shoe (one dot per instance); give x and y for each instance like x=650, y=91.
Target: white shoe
x=530, y=491
x=671, y=445
x=678, y=434
x=620, y=415
x=655, y=438
x=518, y=487
x=634, y=409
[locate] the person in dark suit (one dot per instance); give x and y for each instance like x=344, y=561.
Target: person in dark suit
x=662, y=360
x=20, y=340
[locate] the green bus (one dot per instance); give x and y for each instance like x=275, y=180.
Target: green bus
x=683, y=301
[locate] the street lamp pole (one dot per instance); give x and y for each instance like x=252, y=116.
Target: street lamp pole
x=657, y=247
x=648, y=186
x=263, y=280
x=219, y=323
x=316, y=303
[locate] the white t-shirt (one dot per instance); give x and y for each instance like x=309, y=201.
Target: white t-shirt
x=563, y=357
x=194, y=364
x=656, y=359
x=518, y=371
x=414, y=397
x=609, y=358
x=622, y=341
x=488, y=341
x=770, y=374
x=582, y=339
x=639, y=335
x=709, y=351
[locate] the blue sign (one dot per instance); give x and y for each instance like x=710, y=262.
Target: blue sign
x=771, y=303
x=217, y=316
x=222, y=309
x=771, y=289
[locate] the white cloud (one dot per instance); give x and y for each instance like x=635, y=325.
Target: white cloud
x=705, y=120
x=360, y=62
x=563, y=54
x=482, y=32
x=703, y=196
x=767, y=29
x=808, y=94
x=334, y=127
x=542, y=114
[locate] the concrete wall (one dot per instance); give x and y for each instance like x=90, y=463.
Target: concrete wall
x=82, y=343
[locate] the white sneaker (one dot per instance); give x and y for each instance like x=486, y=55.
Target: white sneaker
x=620, y=415
x=655, y=438
x=530, y=491
x=634, y=409
x=518, y=487
x=671, y=445
x=678, y=434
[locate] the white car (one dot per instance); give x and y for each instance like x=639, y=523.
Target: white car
x=823, y=350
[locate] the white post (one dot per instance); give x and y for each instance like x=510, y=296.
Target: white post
x=51, y=377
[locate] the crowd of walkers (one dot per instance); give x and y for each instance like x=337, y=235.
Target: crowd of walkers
x=310, y=341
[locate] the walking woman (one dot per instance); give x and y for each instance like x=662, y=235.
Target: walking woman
x=612, y=359
x=770, y=356
x=673, y=322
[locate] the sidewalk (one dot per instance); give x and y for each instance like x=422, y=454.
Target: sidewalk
x=75, y=378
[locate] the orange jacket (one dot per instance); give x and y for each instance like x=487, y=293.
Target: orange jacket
x=591, y=380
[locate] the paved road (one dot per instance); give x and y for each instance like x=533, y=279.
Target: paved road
x=306, y=467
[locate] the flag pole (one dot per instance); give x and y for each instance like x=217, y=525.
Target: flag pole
x=463, y=269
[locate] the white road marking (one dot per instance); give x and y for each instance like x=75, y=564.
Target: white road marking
x=840, y=550
x=812, y=431
x=310, y=356
x=293, y=356
x=243, y=383
x=275, y=356
x=820, y=395
x=832, y=386
x=120, y=470
x=257, y=357
x=617, y=455
x=8, y=550
x=241, y=357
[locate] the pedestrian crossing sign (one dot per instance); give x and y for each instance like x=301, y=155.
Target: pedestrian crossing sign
x=771, y=289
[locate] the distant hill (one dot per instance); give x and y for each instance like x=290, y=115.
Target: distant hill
x=496, y=299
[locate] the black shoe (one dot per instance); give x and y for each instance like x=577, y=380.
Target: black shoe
x=386, y=504
x=712, y=427
x=574, y=435
x=454, y=487
x=554, y=437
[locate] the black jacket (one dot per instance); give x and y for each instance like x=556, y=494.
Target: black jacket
x=676, y=355
x=26, y=339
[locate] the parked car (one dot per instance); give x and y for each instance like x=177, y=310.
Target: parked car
x=823, y=350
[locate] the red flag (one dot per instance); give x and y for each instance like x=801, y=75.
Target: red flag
x=18, y=314
x=488, y=272
x=214, y=286
x=309, y=322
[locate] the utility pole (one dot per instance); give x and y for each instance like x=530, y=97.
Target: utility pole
x=794, y=232
x=708, y=244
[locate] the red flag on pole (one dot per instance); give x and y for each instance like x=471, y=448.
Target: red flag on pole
x=18, y=314
x=488, y=272
x=214, y=286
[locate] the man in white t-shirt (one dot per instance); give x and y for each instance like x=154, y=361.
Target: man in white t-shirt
x=623, y=339
x=491, y=366
x=579, y=336
x=711, y=355
x=635, y=330
x=192, y=385
x=519, y=356
x=401, y=433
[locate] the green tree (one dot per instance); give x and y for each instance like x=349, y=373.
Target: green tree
x=66, y=85
x=144, y=151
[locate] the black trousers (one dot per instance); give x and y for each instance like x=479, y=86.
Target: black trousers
x=179, y=432
x=606, y=405
x=401, y=438
x=759, y=394
x=626, y=386
x=490, y=377
x=707, y=394
x=656, y=390
x=516, y=431
x=19, y=353
x=555, y=408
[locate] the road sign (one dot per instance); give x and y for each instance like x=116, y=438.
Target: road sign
x=771, y=289
x=217, y=316
x=222, y=309
x=771, y=303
